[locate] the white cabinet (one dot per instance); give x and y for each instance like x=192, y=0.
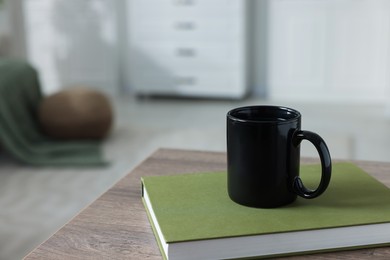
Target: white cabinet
x=187, y=47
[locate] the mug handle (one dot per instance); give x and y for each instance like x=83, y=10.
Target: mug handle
x=326, y=164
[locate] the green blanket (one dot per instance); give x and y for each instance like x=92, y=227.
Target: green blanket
x=20, y=133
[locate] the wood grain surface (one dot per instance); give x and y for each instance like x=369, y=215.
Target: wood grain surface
x=115, y=226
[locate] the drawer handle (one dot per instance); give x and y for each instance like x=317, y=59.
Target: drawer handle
x=190, y=81
x=185, y=26
x=186, y=52
x=184, y=2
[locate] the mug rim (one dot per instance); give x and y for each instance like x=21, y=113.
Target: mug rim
x=297, y=114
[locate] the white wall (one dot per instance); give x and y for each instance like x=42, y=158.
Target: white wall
x=328, y=49
x=73, y=42
x=14, y=44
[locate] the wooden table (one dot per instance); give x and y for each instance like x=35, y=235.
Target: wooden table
x=115, y=226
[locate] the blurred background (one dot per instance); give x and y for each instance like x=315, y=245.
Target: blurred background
x=172, y=69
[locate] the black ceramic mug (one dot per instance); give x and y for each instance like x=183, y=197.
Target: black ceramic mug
x=263, y=154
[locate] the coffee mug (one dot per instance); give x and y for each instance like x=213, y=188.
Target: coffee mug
x=263, y=155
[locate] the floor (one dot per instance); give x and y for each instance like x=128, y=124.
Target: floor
x=37, y=201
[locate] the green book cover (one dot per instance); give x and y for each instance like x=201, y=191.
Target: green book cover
x=192, y=208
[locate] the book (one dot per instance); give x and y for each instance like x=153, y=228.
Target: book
x=193, y=217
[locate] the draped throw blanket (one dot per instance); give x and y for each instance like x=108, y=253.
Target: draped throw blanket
x=20, y=133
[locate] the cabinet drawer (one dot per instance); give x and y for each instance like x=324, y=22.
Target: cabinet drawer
x=173, y=9
x=187, y=80
x=188, y=30
x=176, y=56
